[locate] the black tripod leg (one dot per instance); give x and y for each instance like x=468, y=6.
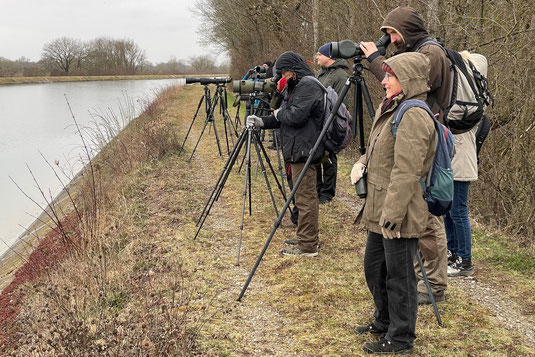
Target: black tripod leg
x=199, y=140
x=360, y=117
x=247, y=182
x=191, y=125
x=264, y=172
x=429, y=291
x=237, y=121
x=241, y=165
x=226, y=135
x=218, y=188
x=231, y=124
x=215, y=127
x=235, y=153
x=366, y=96
x=223, y=175
x=281, y=171
x=268, y=161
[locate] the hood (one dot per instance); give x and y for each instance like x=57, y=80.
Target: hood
x=291, y=61
x=339, y=63
x=412, y=70
x=407, y=22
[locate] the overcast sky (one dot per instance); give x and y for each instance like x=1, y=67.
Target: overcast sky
x=163, y=28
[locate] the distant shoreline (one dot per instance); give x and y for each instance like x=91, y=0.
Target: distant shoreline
x=53, y=79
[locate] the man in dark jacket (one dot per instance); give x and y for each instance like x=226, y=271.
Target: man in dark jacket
x=333, y=73
x=407, y=31
x=300, y=119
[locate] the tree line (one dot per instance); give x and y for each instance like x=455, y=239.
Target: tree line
x=502, y=30
x=102, y=56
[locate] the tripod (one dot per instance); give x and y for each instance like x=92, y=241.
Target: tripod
x=248, y=136
x=209, y=106
x=361, y=94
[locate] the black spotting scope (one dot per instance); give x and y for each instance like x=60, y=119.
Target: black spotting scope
x=350, y=49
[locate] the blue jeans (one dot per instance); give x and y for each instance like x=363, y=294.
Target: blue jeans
x=458, y=231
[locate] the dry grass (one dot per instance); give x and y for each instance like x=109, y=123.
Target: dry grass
x=146, y=288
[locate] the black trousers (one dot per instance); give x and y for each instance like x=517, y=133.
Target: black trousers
x=389, y=270
x=327, y=177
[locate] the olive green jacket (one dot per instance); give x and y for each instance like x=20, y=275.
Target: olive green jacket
x=335, y=76
x=395, y=166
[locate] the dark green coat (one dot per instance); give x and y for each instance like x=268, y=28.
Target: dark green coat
x=335, y=76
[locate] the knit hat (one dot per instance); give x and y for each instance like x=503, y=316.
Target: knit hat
x=386, y=68
x=325, y=50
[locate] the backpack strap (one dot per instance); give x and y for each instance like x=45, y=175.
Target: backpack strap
x=403, y=107
x=314, y=79
x=398, y=115
x=431, y=41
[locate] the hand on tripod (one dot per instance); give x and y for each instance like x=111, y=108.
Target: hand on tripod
x=254, y=121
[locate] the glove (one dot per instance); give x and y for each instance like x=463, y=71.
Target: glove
x=391, y=230
x=356, y=172
x=254, y=121
x=276, y=112
x=281, y=85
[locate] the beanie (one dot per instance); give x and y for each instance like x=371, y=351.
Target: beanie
x=325, y=50
x=388, y=69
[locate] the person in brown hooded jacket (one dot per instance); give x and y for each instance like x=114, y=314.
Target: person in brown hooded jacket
x=407, y=32
x=395, y=212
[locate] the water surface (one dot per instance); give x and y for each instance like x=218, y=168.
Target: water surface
x=35, y=118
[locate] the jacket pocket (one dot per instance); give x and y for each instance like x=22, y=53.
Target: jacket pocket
x=374, y=202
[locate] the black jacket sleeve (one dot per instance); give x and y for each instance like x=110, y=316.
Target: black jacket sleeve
x=270, y=122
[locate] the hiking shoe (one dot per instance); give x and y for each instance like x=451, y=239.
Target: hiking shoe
x=383, y=346
x=461, y=267
x=361, y=330
x=297, y=251
x=424, y=299
x=290, y=241
x=452, y=257
x=324, y=199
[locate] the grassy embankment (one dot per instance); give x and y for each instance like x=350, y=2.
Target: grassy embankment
x=145, y=286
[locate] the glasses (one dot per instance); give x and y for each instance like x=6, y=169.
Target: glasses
x=388, y=76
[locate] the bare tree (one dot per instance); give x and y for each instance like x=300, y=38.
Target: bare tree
x=63, y=52
x=202, y=64
x=129, y=56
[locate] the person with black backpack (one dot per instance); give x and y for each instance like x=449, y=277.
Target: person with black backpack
x=407, y=32
x=333, y=73
x=395, y=212
x=300, y=119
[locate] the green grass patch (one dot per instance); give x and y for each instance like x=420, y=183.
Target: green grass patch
x=501, y=252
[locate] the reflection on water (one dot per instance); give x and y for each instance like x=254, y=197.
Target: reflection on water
x=35, y=119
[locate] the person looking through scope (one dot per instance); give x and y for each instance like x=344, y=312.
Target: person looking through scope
x=300, y=119
x=394, y=212
x=408, y=33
